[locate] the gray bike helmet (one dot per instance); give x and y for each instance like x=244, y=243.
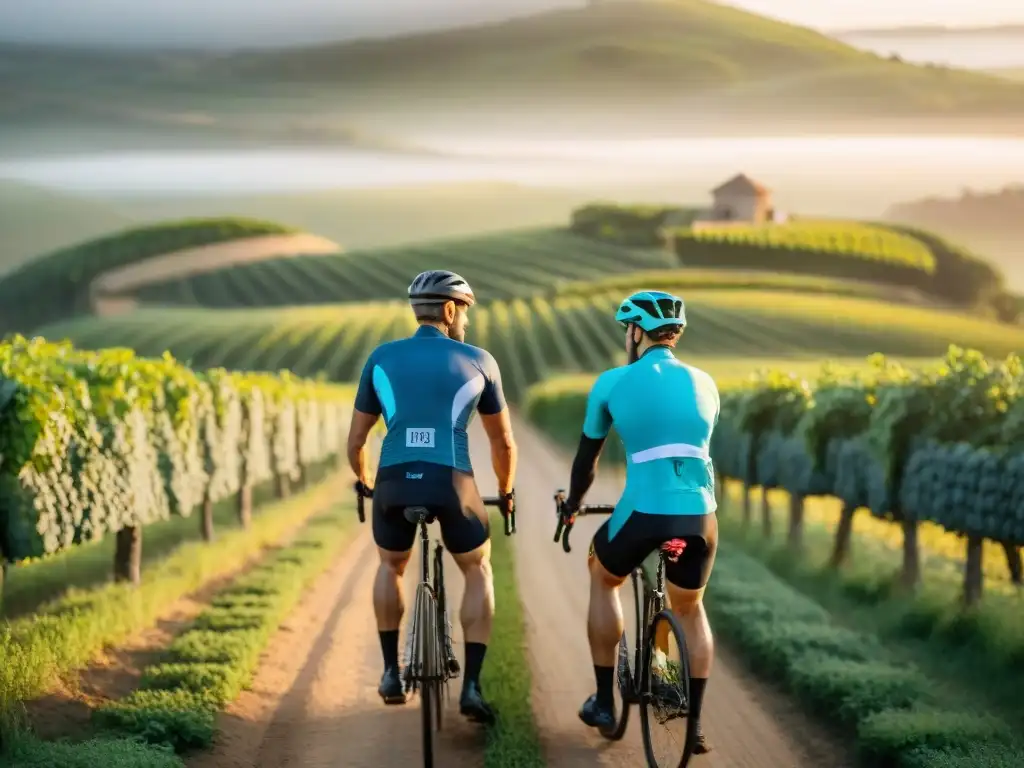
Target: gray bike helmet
x=437, y=286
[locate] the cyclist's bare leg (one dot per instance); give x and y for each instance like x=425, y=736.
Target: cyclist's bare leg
x=604, y=619
x=476, y=617
x=388, y=607
x=388, y=602
x=478, y=595
x=688, y=606
x=604, y=628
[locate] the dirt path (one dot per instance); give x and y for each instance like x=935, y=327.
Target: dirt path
x=750, y=725
x=314, y=702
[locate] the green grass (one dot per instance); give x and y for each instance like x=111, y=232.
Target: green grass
x=65, y=634
x=207, y=667
x=506, y=677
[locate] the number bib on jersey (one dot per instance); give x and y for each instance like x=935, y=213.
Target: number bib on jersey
x=419, y=438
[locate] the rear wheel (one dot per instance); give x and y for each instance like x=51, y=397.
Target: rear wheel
x=668, y=731
x=445, y=657
x=428, y=668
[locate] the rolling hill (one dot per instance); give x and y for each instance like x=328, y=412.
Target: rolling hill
x=659, y=56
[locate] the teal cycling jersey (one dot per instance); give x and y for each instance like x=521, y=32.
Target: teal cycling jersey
x=664, y=412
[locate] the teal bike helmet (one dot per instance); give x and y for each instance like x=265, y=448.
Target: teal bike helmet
x=651, y=310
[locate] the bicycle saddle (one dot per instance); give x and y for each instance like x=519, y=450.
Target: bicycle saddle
x=415, y=514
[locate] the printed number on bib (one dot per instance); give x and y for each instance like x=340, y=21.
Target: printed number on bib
x=419, y=438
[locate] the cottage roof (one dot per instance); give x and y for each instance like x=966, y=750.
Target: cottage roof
x=741, y=184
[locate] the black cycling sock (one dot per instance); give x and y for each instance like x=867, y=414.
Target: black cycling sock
x=475, y=653
x=389, y=647
x=697, y=685
x=605, y=686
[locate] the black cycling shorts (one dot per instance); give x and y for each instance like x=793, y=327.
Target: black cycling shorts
x=451, y=496
x=643, y=534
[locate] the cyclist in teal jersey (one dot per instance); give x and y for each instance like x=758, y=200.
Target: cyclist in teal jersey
x=664, y=411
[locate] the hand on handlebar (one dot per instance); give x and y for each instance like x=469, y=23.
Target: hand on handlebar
x=566, y=519
x=363, y=491
x=507, y=507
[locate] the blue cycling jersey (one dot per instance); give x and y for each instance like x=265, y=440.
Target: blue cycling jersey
x=664, y=411
x=427, y=387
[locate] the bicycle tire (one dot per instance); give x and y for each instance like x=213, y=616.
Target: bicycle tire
x=443, y=636
x=426, y=608
x=628, y=661
x=648, y=716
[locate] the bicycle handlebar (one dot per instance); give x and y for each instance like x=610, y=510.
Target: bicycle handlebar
x=566, y=522
x=489, y=501
x=510, y=519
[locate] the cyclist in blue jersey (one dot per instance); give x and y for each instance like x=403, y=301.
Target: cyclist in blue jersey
x=664, y=411
x=427, y=387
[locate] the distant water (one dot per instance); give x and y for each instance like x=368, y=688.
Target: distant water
x=969, y=52
x=880, y=164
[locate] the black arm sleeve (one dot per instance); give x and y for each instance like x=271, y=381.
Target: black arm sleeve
x=584, y=468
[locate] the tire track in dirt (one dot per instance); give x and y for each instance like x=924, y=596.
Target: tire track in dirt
x=750, y=725
x=314, y=700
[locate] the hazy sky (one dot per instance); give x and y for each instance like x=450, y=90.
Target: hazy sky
x=234, y=22
x=832, y=14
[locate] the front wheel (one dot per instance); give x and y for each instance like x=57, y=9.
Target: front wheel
x=668, y=731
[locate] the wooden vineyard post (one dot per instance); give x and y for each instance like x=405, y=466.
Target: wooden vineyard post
x=746, y=504
x=206, y=519
x=128, y=555
x=766, y=513
x=282, y=486
x=3, y=575
x=245, y=505
x=973, y=571
x=1013, y=563
x=844, y=533
x=910, y=576
x=796, y=522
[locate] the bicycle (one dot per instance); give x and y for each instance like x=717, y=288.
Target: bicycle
x=430, y=661
x=635, y=681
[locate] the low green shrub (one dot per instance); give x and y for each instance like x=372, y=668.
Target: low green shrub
x=94, y=753
x=982, y=756
x=844, y=676
x=885, y=738
x=849, y=689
